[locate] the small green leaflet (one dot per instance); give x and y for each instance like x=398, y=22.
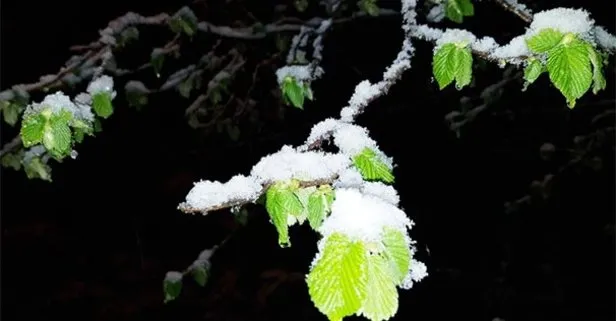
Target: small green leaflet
x=172, y=285
x=398, y=253
x=12, y=160
x=157, y=58
x=369, y=6
x=382, y=300
x=35, y=168
x=200, y=274
x=33, y=127
x=303, y=194
x=281, y=202
x=11, y=111
x=294, y=92
x=544, y=40
x=57, y=137
x=371, y=167
x=451, y=62
x=319, y=205
x=102, y=104
x=184, y=20
x=598, y=81
x=532, y=71
x=569, y=68
x=337, y=283
x=456, y=10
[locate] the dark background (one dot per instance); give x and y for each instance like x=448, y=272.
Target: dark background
x=96, y=243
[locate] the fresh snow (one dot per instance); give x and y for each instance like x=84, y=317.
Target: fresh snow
x=208, y=194
x=362, y=217
x=289, y=163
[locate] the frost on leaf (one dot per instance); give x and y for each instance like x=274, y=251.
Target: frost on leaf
x=281, y=202
x=371, y=167
x=569, y=69
x=172, y=285
x=337, y=282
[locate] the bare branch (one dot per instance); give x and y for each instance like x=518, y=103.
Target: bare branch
x=509, y=5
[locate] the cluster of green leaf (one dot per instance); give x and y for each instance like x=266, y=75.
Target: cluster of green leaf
x=572, y=64
x=288, y=203
x=456, y=10
x=295, y=92
x=351, y=277
x=57, y=132
x=172, y=284
x=453, y=61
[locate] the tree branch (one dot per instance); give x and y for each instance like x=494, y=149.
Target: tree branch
x=513, y=7
x=239, y=202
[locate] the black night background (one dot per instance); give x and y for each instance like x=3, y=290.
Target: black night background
x=95, y=243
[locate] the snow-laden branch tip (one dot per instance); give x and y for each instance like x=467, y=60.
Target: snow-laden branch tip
x=565, y=20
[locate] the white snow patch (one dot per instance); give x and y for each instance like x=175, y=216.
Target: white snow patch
x=565, y=20
x=208, y=194
x=362, y=217
x=304, y=166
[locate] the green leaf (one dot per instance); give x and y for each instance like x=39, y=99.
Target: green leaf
x=369, y=6
x=102, y=104
x=157, y=58
x=398, y=253
x=382, y=301
x=569, y=69
x=545, y=40
x=35, y=168
x=281, y=202
x=136, y=94
x=371, y=167
x=444, y=65
x=456, y=10
x=57, y=136
x=200, y=274
x=464, y=71
x=186, y=87
x=319, y=205
x=294, y=92
x=12, y=160
x=533, y=70
x=598, y=81
x=11, y=111
x=301, y=5
x=337, y=283
x=172, y=285
x=32, y=129
x=308, y=92
x=184, y=20
x=98, y=126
